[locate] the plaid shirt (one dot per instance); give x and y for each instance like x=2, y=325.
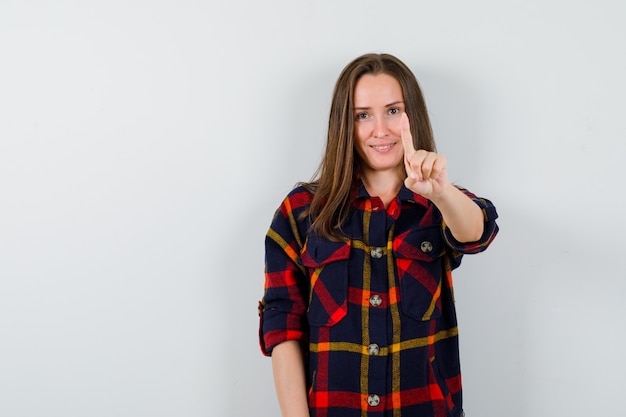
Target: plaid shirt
x=375, y=312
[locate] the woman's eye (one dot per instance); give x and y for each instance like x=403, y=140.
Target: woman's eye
x=361, y=116
x=394, y=111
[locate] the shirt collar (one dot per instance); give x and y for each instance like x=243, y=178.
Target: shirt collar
x=408, y=196
x=405, y=195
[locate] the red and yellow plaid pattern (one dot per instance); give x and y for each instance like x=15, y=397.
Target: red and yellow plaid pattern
x=375, y=312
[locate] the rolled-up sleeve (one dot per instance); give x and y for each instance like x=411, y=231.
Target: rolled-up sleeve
x=489, y=232
x=282, y=310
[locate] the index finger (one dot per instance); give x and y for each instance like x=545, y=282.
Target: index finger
x=405, y=134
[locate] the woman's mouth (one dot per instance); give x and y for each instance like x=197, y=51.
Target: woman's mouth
x=382, y=148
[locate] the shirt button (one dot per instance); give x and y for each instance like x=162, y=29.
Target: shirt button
x=373, y=400
x=426, y=246
x=373, y=349
x=375, y=300
x=376, y=253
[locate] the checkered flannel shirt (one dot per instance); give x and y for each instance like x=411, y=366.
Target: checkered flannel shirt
x=375, y=313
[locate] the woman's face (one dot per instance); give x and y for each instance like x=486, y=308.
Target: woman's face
x=378, y=105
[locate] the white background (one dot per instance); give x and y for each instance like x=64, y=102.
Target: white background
x=144, y=146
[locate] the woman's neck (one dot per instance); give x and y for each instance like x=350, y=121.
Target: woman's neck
x=382, y=184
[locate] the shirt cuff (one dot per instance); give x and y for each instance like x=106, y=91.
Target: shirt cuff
x=276, y=327
x=489, y=232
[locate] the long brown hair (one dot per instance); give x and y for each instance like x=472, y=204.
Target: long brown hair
x=334, y=178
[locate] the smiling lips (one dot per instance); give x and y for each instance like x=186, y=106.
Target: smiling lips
x=382, y=148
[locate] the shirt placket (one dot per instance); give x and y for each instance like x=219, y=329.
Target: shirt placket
x=375, y=340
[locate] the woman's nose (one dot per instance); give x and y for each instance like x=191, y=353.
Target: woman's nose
x=380, y=127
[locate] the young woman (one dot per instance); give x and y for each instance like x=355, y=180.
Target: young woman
x=358, y=312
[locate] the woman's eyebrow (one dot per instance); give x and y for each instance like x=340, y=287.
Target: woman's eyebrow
x=386, y=105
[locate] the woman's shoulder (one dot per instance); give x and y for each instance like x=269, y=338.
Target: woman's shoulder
x=292, y=211
x=299, y=197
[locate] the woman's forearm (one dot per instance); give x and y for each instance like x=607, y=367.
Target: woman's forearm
x=289, y=378
x=462, y=216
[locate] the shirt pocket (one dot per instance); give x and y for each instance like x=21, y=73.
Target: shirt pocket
x=418, y=257
x=327, y=264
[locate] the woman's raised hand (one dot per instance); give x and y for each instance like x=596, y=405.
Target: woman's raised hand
x=427, y=172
